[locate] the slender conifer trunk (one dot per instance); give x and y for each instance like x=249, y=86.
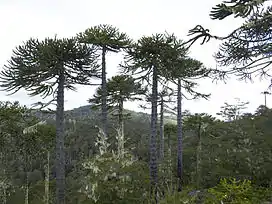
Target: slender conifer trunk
x=60, y=157
x=179, y=134
x=104, y=93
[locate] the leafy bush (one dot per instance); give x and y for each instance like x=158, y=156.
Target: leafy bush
x=113, y=177
x=237, y=192
x=229, y=191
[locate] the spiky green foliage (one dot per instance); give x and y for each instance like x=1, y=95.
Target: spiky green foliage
x=147, y=58
x=157, y=50
x=46, y=68
x=106, y=36
x=35, y=66
x=237, y=191
x=188, y=70
x=120, y=88
x=246, y=51
x=238, y=8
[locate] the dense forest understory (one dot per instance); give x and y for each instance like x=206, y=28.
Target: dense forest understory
x=102, y=153
x=222, y=160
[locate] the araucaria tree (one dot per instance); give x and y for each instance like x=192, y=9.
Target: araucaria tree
x=106, y=38
x=47, y=68
x=164, y=98
x=183, y=72
x=145, y=60
x=120, y=88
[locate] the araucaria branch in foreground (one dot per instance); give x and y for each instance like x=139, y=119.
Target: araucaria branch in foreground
x=246, y=51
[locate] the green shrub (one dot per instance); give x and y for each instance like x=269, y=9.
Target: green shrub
x=237, y=192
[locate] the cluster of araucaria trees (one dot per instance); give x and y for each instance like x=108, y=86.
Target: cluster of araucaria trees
x=158, y=63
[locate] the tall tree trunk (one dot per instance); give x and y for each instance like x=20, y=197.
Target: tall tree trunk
x=5, y=196
x=162, y=130
x=104, y=92
x=26, y=190
x=153, y=139
x=60, y=157
x=46, y=182
x=169, y=163
x=5, y=185
x=198, y=158
x=3, y=162
x=121, y=128
x=179, y=134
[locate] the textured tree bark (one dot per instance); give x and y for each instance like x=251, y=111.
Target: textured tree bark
x=179, y=134
x=153, y=139
x=46, y=182
x=26, y=190
x=162, y=130
x=121, y=127
x=60, y=157
x=169, y=162
x=104, y=92
x=198, y=159
x=5, y=196
x=2, y=158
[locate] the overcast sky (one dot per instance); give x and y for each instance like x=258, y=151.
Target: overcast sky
x=22, y=19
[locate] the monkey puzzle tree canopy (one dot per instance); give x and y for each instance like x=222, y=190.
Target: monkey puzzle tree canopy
x=46, y=68
x=148, y=58
x=188, y=70
x=106, y=38
x=119, y=88
x=158, y=51
x=36, y=66
x=247, y=50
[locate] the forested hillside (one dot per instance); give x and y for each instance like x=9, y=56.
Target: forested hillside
x=212, y=150
x=102, y=153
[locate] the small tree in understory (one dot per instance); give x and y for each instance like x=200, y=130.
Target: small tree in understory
x=13, y=119
x=232, y=112
x=120, y=88
x=108, y=178
x=47, y=68
x=43, y=134
x=198, y=123
x=107, y=39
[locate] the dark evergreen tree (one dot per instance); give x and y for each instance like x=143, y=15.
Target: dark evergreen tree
x=120, y=88
x=107, y=39
x=164, y=98
x=183, y=72
x=47, y=68
x=146, y=59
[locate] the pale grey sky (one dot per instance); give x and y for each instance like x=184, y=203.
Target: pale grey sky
x=22, y=19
